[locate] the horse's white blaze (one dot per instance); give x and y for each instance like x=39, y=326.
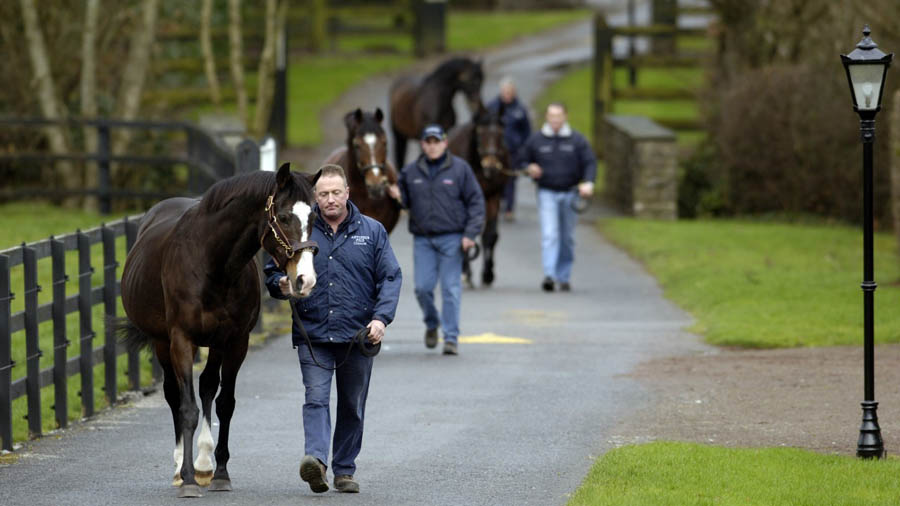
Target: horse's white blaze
x=370, y=140
x=304, y=266
x=205, y=444
x=178, y=455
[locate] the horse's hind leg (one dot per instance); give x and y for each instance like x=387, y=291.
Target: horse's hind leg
x=173, y=398
x=181, y=353
x=209, y=384
x=231, y=364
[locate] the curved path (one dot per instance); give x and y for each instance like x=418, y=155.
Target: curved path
x=509, y=421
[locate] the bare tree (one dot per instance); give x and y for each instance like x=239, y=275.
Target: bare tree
x=51, y=107
x=89, y=96
x=236, y=56
x=209, y=58
x=265, y=75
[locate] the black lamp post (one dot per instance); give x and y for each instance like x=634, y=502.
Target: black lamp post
x=866, y=68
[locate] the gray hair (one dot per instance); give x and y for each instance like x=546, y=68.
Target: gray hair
x=507, y=81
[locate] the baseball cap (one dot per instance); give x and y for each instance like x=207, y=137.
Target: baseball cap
x=434, y=130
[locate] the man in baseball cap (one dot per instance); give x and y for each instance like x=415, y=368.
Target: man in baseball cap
x=433, y=131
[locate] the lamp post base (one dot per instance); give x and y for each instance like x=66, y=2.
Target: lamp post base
x=870, y=444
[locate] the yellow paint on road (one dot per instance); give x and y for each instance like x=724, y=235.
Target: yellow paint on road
x=536, y=317
x=491, y=338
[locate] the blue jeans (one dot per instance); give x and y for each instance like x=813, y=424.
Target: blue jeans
x=352, y=389
x=509, y=195
x=557, y=232
x=439, y=257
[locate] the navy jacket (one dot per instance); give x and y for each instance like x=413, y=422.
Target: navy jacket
x=516, y=126
x=566, y=159
x=357, y=280
x=449, y=202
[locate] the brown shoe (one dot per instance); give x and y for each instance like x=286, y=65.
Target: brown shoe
x=431, y=338
x=344, y=483
x=312, y=471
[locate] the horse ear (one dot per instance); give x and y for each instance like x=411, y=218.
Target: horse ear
x=283, y=177
x=312, y=178
x=351, y=119
x=378, y=114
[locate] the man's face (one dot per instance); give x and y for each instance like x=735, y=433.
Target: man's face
x=556, y=117
x=434, y=148
x=331, y=195
x=507, y=93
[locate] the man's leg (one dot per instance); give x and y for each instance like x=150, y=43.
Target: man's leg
x=549, y=217
x=425, y=272
x=567, y=220
x=352, y=390
x=316, y=417
x=450, y=268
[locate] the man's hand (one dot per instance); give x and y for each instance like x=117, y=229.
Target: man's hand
x=394, y=191
x=534, y=170
x=467, y=243
x=376, y=331
x=586, y=189
x=285, y=285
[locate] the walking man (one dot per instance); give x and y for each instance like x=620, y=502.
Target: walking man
x=516, y=129
x=446, y=214
x=561, y=162
x=358, y=285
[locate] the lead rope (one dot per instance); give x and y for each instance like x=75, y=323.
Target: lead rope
x=359, y=339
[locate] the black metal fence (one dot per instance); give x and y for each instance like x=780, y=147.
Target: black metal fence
x=55, y=311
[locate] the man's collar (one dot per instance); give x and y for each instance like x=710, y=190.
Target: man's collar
x=564, y=131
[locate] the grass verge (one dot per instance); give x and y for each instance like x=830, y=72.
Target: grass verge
x=766, y=285
x=678, y=474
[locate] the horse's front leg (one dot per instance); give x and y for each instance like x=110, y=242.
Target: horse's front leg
x=231, y=364
x=209, y=384
x=489, y=239
x=182, y=356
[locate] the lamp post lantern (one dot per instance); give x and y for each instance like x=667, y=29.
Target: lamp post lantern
x=866, y=67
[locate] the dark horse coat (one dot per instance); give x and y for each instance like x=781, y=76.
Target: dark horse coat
x=415, y=103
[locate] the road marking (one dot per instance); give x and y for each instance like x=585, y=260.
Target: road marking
x=491, y=338
x=536, y=318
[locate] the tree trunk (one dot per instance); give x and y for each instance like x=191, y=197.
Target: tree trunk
x=236, y=57
x=265, y=78
x=50, y=106
x=89, y=97
x=209, y=58
x=128, y=103
x=894, y=142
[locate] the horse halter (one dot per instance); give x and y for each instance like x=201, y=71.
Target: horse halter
x=493, y=151
x=281, y=237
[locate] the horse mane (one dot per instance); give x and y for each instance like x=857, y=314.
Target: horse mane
x=449, y=68
x=256, y=185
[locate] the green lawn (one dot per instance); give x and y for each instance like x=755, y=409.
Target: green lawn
x=766, y=285
x=680, y=474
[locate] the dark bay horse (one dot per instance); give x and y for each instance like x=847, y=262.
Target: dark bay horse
x=364, y=159
x=415, y=103
x=191, y=280
x=480, y=142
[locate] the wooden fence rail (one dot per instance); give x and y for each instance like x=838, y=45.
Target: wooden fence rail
x=55, y=311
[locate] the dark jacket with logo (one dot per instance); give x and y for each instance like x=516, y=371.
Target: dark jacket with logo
x=566, y=159
x=516, y=126
x=357, y=280
x=448, y=202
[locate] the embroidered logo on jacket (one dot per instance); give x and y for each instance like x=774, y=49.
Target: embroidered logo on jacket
x=360, y=240
x=447, y=181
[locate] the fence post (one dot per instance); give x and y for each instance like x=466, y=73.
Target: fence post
x=278, y=119
x=665, y=12
x=632, y=69
x=87, y=332
x=103, y=151
x=109, y=310
x=430, y=26
x=6, y=362
x=60, y=342
x=32, y=342
x=134, y=356
x=602, y=85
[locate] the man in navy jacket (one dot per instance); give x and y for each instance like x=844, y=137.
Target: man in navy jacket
x=446, y=214
x=358, y=285
x=516, y=129
x=562, y=163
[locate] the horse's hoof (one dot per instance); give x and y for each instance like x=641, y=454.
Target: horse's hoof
x=189, y=491
x=220, y=485
x=487, y=279
x=203, y=477
x=177, y=481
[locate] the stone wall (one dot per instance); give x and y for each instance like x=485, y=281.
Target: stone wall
x=641, y=167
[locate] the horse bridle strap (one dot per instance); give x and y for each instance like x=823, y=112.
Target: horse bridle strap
x=281, y=237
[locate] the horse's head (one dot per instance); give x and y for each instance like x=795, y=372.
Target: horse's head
x=367, y=144
x=469, y=79
x=489, y=141
x=287, y=227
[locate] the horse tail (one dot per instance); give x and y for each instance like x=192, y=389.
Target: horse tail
x=128, y=333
